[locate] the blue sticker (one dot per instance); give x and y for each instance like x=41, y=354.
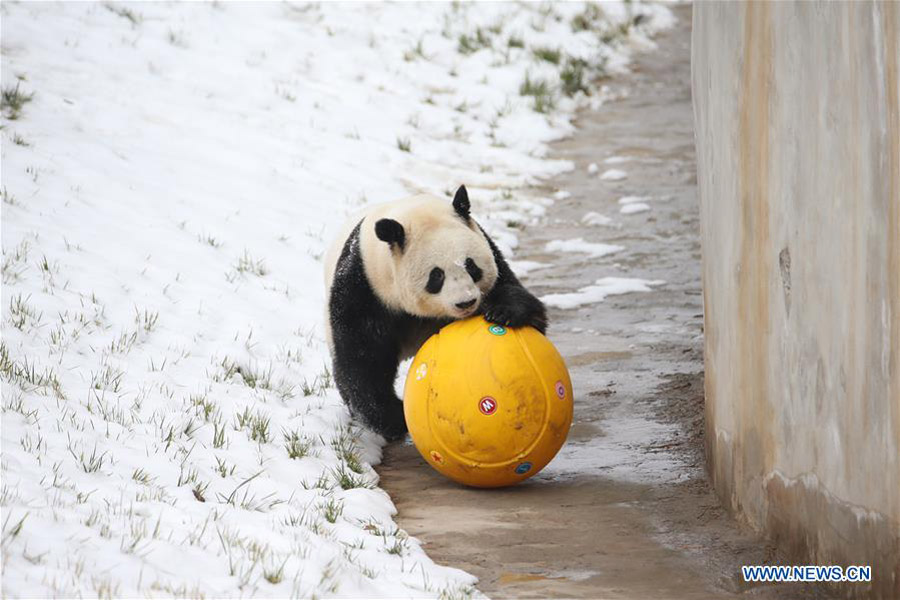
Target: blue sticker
x=497, y=329
x=523, y=468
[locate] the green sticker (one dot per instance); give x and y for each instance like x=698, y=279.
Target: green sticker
x=497, y=329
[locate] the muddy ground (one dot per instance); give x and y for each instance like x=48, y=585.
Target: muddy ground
x=625, y=511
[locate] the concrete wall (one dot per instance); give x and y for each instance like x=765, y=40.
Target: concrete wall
x=798, y=150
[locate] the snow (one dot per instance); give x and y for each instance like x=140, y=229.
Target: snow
x=632, y=199
x=603, y=287
x=524, y=267
x=168, y=192
x=593, y=168
x=579, y=245
x=562, y=195
x=616, y=160
x=613, y=175
x=595, y=218
x=634, y=207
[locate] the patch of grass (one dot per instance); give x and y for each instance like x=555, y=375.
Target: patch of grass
x=572, y=76
x=18, y=140
x=7, y=197
x=210, y=240
x=332, y=510
x=223, y=469
x=456, y=592
x=146, y=320
x=15, y=260
x=613, y=33
x=252, y=377
x=288, y=94
x=531, y=87
x=551, y=55
x=541, y=91
x=109, y=378
x=417, y=52
x=247, y=264
x=17, y=404
x=344, y=445
x=123, y=343
x=259, y=429
x=297, y=445
x=515, y=42
x=219, y=439
x=187, y=477
x=543, y=104
x=322, y=483
x=13, y=100
x=404, y=144
x=318, y=385
x=398, y=547
x=126, y=13
x=12, y=530
x=249, y=501
x=587, y=19
x=204, y=405
x=274, y=575
x=90, y=463
x=177, y=38
x=256, y=423
x=27, y=375
x=242, y=419
x=468, y=44
x=256, y=378
x=141, y=476
x=22, y=313
x=348, y=480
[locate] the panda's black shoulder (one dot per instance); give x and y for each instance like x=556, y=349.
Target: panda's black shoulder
x=354, y=306
x=351, y=295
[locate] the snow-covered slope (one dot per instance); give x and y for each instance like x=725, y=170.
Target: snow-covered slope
x=170, y=173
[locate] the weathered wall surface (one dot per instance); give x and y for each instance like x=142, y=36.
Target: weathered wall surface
x=798, y=149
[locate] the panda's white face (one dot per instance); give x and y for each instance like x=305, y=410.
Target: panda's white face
x=424, y=258
x=448, y=274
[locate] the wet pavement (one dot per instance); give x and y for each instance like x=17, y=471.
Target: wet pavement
x=625, y=510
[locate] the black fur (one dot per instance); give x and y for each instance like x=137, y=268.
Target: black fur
x=392, y=232
x=435, y=281
x=461, y=203
x=368, y=337
x=509, y=303
x=474, y=270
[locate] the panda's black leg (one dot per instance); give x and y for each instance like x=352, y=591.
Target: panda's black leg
x=365, y=373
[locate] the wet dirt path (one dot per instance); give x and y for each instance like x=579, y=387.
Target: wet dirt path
x=625, y=510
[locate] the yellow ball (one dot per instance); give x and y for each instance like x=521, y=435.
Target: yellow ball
x=488, y=406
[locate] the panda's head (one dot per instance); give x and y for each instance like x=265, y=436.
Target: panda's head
x=433, y=259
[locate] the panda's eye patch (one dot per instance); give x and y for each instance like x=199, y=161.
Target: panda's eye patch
x=474, y=271
x=435, y=281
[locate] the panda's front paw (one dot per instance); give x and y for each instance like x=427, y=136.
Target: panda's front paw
x=515, y=307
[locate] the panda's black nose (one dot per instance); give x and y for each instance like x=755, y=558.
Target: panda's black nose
x=465, y=305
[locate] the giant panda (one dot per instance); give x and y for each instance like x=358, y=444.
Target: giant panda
x=398, y=273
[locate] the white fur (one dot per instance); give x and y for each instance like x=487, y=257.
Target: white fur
x=435, y=237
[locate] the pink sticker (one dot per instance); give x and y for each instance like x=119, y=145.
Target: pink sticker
x=560, y=390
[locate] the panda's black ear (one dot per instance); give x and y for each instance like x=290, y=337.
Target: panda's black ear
x=390, y=231
x=461, y=203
